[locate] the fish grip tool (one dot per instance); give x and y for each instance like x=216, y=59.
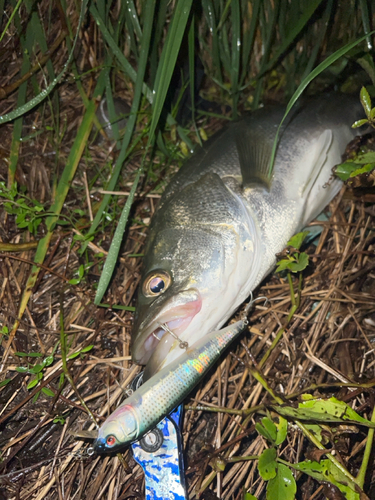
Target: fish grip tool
x=160, y=454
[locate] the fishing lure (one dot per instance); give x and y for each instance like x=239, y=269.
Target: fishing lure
x=163, y=392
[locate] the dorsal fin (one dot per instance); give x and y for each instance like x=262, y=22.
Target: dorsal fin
x=254, y=152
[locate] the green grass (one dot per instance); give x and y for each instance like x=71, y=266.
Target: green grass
x=252, y=51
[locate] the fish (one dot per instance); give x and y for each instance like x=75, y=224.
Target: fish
x=222, y=219
x=157, y=397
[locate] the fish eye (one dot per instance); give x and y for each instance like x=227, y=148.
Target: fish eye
x=156, y=283
x=110, y=441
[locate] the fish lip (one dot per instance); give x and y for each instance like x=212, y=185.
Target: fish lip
x=176, y=317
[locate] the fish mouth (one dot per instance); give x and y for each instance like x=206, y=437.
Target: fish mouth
x=171, y=322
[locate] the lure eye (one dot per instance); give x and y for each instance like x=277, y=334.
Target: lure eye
x=110, y=441
x=156, y=283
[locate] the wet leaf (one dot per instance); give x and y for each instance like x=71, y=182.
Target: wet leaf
x=364, y=158
x=36, y=368
x=74, y=281
x=364, y=170
x=365, y=100
x=282, y=430
x=336, y=408
x=283, y=485
x=267, y=464
x=360, y=123
x=33, y=383
x=248, y=496
x=326, y=471
x=301, y=264
x=297, y=240
x=267, y=429
x=283, y=264
x=343, y=170
x=48, y=360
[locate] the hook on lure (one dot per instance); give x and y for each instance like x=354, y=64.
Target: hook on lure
x=182, y=344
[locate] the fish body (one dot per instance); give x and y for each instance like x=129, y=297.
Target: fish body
x=157, y=397
x=222, y=220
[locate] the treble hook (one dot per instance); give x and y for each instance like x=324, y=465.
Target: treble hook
x=182, y=343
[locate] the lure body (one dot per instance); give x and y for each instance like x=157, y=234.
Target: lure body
x=157, y=397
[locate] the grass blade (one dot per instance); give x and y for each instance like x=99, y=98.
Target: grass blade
x=168, y=60
x=44, y=93
x=117, y=239
x=293, y=32
x=321, y=67
x=61, y=192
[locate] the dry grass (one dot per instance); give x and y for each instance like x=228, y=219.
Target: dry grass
x=328, y=342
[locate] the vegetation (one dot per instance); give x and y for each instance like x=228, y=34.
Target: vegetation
x=290, y=414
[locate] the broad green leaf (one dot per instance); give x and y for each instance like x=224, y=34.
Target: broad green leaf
x=283, y=485
x=326, y=471
x=365, y=101
x=267, y=429
x=168, y=59
x=343, y=170
x=336, y=408
x=297, y=240
x=267, y=464
x=48, y=360
x=33, y=383
x=36, y=368
x=74, y=281
x=283, y=264
x=315, y=430
x=59, y=420
x=248, y=496
x=367, y=63
x=368, y=157
x=282, y=431
x=363, y=170
x=303, y=262
x=313, y=416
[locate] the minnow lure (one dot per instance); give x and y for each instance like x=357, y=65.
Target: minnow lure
x=157, y=397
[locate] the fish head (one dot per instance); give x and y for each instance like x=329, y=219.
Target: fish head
x=173, y=288
x=191, y=265
x=120, y=429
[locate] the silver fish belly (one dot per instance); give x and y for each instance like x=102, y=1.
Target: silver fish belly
x=157, y=397
x=221, y=220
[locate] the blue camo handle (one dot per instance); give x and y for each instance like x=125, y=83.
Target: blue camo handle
x=160, y=455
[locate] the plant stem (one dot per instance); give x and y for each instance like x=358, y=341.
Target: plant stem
x=291, y=287
x=295, y=305
x=366, y=455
